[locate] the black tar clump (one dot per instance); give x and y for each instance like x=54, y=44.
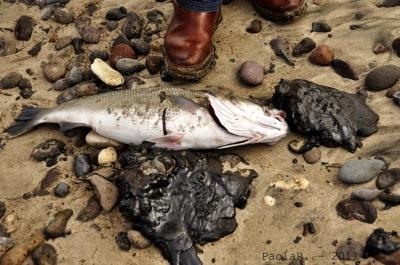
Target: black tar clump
x=178, y=199
x=381, y=242
x=328, y=116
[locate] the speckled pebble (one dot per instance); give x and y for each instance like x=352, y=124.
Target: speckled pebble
x=112, y=25
x=251, y=73
x=255, y=26
x=63, y=16
x=61, y=190
x=116, y=13
x=54, y=71
x=122, y=241
x=128, y=66
x=63, y=42
x=154, y=63
x=56, y=227
x=61, y=84
x=140, y=46
x=45, y=254
x=74, y=76
x=11, y=80
x=101, y=54
x=81, y=165
x=24, y=28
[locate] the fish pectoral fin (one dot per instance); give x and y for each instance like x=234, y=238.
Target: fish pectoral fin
x=66, y=126
x=185, y=103
x=170, y=141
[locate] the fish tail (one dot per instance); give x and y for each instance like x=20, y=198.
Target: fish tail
x=26, y=121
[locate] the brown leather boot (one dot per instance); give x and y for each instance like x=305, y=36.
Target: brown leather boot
x=188, y=47
x=280, y=10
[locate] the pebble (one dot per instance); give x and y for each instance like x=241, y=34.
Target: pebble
x=391, y=195
x=365, y=194
x=81, y=165
x=396, y=98
x=56, y=227
x=121, y=39
x=90, y=35
x=74, y=76
x=24, y=84
x=107, y=156
x=254, y=27
x=101, y=54
x=391, y=91
x=106, y=74
x=18, y=254
x=47, y=12
x=10, y=80
x=45, y=254
x=81, y=22
x=306, y=45
x=362, y=211
x=98, y=141
x=165, y=76
x=388, y=178
x=251, y=73
x=61, y=190
x=63, y=16
x=116, y=13
x=350, y=250
x=140, y=46
x=121, y=51
x=112, y=25
x=48, y=149
x=297, y=183
x=312, y=156
x=133, y=26
x=322, y=55
x=396, y=46
x=77, y=44
x=54, y=70
x=2, y=209
x=154, y=63
x=26, y=93
x=105, y=172
x=297, y=145
x=24, y=28
x=128, y=66
x=63, y=42
x=106, y=192
x=320, y=26
x=138, y=240
x=77, y=91
x=90, y=211
x=269, y=201
x=51, y=177
x=5, y=244
x=382, y=77
x=360, y=171
x=379, y=48
x=280, y=46
x=122, y=241
x=35, y=49
x=343, y=69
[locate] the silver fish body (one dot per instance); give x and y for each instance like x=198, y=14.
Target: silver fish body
x=173, y=118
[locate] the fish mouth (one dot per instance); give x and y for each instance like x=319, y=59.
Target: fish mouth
x=247, y=119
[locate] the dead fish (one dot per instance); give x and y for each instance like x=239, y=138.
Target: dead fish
x=172, y=118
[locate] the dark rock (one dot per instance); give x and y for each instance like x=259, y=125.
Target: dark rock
x=77, y=91
x=357, y=210
x=350, y=250
x=51, y=177
x=45, y=254
x=255, y=26
x=200, y=217
x=281, y=48
x=322, y=55
x=47, y=149
x=102, y=54
x=61, y=84
x=306, y=45
x=360, y=171
x=121, y=51
x=63, y=16
x=320, y=26
x=82, y=22
x=343, y=69
x=77, y=43
x=140, y=46
x=251, y=73
x=165, y=76
x=82, y=165
x=56, y=227
x=388, y=178
x=48, y=11
x=122, y=241
x=2, y=210
x=154, y=63
x=112, y=25
x=24, y=28
x=74, y=76
x=61, y=190
x=382, y=77
x=388, y=3
x=24, y=84
x=3, y=231
x=381, y=242
x=26, y=93
x=91, y=8
x=116, y=13
x=391, y=196
x=396, y=46
x=128, y=66
x=62, y=43
x=91, y=210
x=10, y=80
x=338, y=118
x=35, y=49
x=133, y=26
x=90, y=35
x=121, y=39
x=365, y=194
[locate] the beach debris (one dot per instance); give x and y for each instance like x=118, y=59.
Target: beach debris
x=120, y=51
x=81, y=165
x=200, y=217
x=77, y=91
x=45, y=254
x=140, y=46
x=101, y=54
x=54, y=70
x=255, y=26
x=363, y=211
x=365, y=194
x=107, y=156
x=105, y=73
x=62, y=190
x=128, y=66
x=306, y=45
x=48, y=150
x=388, y=3
x=116, y=13
x=165, y=76
x=383, y=246
x=382, y=77
x=338, y=118
x=388, y=178
x=90, y=211
x=251, y=73
x=349, y=250
x=63, y=16
x=24, y=28
x=133, y=26
x=154, y=63
x=322, y=55
x=56, y=227
x=106, y=192
x=123, y=241
x=280, y=46
x=10, y=80
x=296, y=183
x=312, y=156
x=138, y=240
x=343, y=69
x=320, y=26
x=361, y=171
x=269, y=200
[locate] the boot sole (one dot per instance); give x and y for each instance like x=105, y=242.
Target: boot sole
x=281, y=17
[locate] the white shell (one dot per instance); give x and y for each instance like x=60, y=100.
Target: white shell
x=106, y=74
x=297, y=183
x=270, y=201
x=107, y=156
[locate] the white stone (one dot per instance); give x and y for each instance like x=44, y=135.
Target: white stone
x=106, y=73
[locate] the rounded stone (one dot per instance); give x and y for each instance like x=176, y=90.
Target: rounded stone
x=312, y=156
x=45, y=254
x=382, y=77
x=320, y=26
x=388, y=178
x=140, y=46
x=54, y=71
x=306, y=45
x=365, y=194
x=122, y=241
x=74, y=76
x=112, y=25
x=357, y=210
x=106, y=192
x=56, y=227
x=101, y=54
x=322, y=55
x=254, y=27
x=24, y=28
x=61, y=84
x=391, y=196
x=11, y=80
x=61, y=190
x=90, y=35
x=154, y=63
x=63, y=16
x=251, y=73
x=81, y=165
x=128, y=66
x=360, y=171
x=121, y=51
